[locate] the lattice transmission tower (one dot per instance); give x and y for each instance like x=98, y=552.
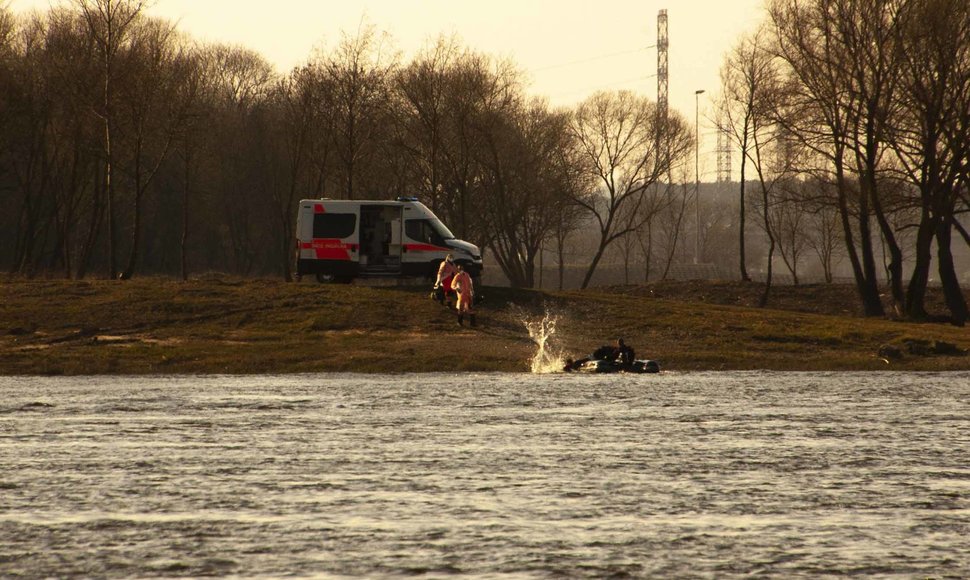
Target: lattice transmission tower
x=662, y=80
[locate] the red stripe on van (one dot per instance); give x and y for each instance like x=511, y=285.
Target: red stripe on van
x=330, y=249
x=333, y=254
x=318, y=208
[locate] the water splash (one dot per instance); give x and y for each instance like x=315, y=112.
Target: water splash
x=547, y=358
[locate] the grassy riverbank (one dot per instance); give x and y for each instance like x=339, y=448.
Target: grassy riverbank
x=227, y=325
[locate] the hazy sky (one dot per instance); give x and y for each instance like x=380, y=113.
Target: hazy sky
x=567, y=48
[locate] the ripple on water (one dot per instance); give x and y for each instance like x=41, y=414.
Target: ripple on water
x=679, y=474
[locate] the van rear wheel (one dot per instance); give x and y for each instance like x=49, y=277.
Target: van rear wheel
x=331, y=279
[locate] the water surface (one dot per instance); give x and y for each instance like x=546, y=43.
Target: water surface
x=712, y=475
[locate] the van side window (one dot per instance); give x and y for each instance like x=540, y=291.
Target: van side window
x=421, y=231
x=334, y=225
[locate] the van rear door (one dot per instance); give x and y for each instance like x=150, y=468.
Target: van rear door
x=329, y=238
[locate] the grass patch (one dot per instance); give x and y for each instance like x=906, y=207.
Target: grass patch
x=229, y=325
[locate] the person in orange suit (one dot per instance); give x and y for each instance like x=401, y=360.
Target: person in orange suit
x=462, y=284
x=446, y=273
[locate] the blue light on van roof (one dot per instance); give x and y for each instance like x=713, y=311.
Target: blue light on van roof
x=406, y=198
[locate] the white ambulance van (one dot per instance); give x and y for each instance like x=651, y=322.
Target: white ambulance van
x=341, y=240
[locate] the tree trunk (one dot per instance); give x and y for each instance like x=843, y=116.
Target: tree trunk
x=744, y=269
x=91, y=239
x=870, y=285
x=864, y=281
x=592, y=266
x=895, y=267
x=129, y=269
x=648, y=253
x=109, y=186
x=916, y=293
x=561, y=254
x=763, y=301
x=184, y=237
x=952, y=293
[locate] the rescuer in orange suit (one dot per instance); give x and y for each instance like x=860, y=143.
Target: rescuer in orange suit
x=462, y=283
x=446, y=273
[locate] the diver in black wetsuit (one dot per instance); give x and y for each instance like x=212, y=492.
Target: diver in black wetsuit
x=623, y=355
x=605, y=352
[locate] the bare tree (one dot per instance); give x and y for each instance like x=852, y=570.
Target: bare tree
x=864, y=33
x=789, y=224
x=618, y=136
x=477, y=85
x=191, y=97
x=761, y=154
x=644, y=240
x=110, y=23
x=526, y=185
x=423, y=87
x=241, y=82
x=30, y=147
x=295, y=107
x=671, y=220
x=568, y=219
x=822, y=114
x=361, y=72
x=659, y=204
x=752, y=102
x=151, y=113
x=747, y=73
x=72, y=66
x=931, y=132
x=569, y=216
x=823, y=235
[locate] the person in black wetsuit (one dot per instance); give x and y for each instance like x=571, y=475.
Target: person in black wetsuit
x=605, y=352
x=623, y=355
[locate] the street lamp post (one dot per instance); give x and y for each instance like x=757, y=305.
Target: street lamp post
x=697, y=178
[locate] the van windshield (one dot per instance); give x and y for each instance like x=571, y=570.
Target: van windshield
x=430, y=231
x=442, y=230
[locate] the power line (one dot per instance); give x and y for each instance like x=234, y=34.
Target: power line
x=592, y=59
x=604, y=86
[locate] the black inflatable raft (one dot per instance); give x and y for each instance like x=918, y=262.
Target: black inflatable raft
x=607, y=366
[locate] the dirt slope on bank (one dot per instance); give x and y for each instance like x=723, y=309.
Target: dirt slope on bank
x=227, y=325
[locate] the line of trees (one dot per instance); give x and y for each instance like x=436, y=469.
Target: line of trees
x=128, y=147
x=859, y=110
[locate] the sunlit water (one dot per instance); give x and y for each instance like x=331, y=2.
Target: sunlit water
x=711, y=475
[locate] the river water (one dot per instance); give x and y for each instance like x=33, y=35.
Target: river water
x=702, y=475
